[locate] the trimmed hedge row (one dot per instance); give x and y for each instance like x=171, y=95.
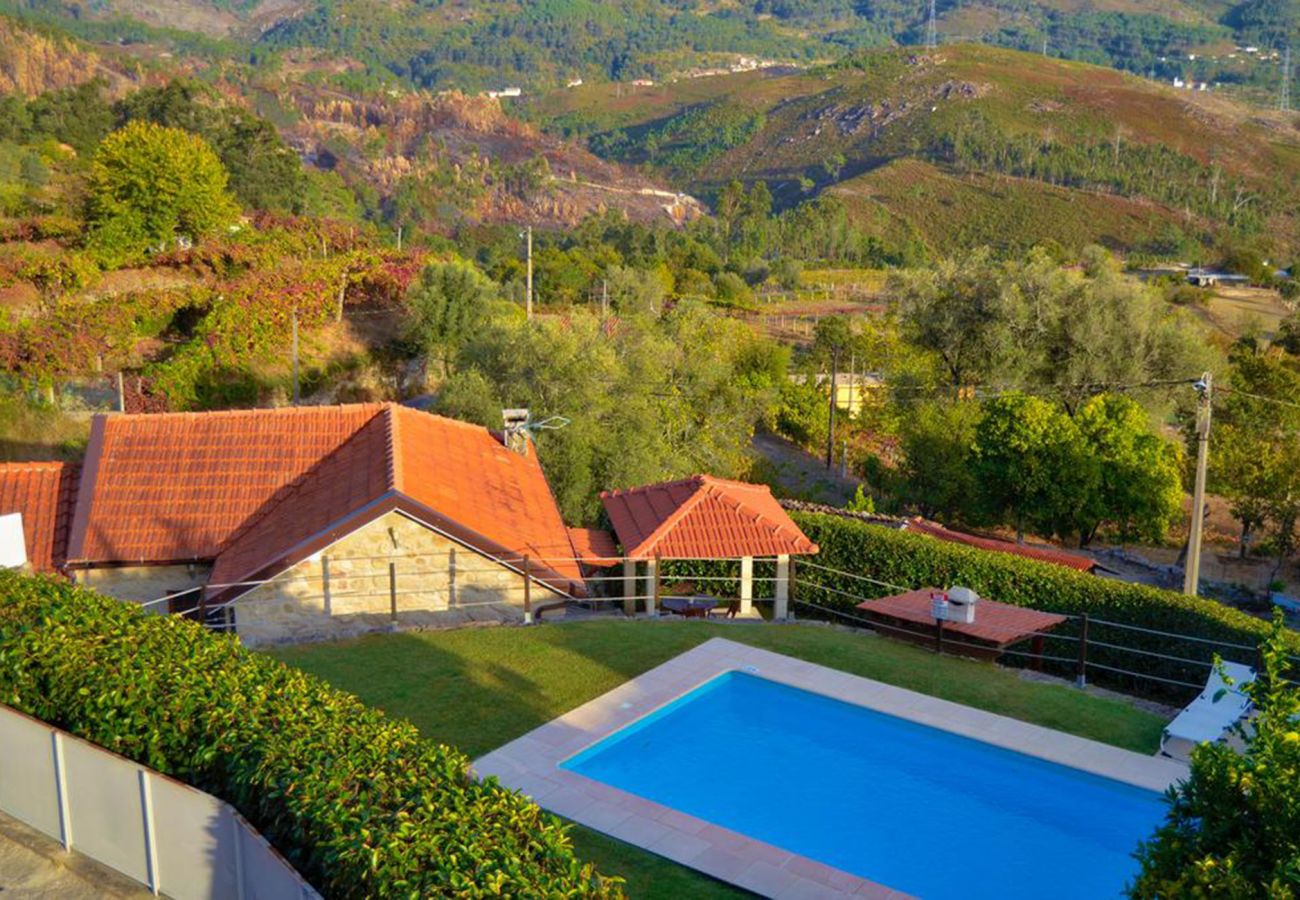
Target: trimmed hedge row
x=358, y=802
x=915, y=560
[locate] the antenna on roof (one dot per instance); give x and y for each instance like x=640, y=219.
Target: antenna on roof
x=519, y=427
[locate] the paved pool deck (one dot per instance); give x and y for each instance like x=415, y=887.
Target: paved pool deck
x=531, y=764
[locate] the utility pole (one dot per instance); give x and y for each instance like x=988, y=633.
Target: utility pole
x=830, y=430
x=932, y=29
x=1284, y=98
x=1192, y=567
x=528, y=301
x=399, y=238
x=295, y=357
x=604, y=298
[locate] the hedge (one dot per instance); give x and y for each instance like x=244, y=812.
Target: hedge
x=914, y=560
x=356, y=801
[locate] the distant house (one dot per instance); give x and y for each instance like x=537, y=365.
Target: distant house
x=574, y=82
x=1210, y=278
x=852, y=389
x=312, y=521
x=505, y=92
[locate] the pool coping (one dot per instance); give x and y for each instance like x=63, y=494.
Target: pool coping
x=530, y=764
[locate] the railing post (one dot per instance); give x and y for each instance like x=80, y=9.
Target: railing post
x=938, y=636
x=203, y=606
x=1081, y=676
x=659, y=581
x=528, y=593
x=392, y=591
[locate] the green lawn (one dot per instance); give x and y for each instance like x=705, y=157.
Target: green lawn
x=479, y=688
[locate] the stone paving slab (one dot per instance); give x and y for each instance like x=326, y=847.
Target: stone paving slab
x=531, y=764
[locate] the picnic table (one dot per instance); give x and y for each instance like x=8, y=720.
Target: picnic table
x=695, y=606
x=908, y=616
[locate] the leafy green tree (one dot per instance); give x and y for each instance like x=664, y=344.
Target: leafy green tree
x=445, y=302
x=1139, y=489
x=1032, y=465
x=937, y=446
x=1233, y=825
x=1255, y=447
x=165, y=182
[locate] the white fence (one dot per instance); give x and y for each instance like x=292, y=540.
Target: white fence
x=175, y=840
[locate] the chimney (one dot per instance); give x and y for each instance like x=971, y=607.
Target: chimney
x=515, y=433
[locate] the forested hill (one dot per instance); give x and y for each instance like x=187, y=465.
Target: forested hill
x=965, y=146
x=473, y=44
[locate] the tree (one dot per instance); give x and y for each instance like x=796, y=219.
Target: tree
x=445, y=302
x=1139, y=490
x=1031, y=465
x=150, y=184
x=1255, y=447
x=937, y=444
x=1233, y=824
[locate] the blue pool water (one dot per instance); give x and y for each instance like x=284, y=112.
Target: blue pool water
x=911, y=807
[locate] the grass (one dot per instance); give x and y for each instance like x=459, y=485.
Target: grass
x=480, y=688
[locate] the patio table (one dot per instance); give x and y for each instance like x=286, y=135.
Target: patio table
x=693, y=607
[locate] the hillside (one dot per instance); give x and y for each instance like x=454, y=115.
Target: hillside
x=473, y=44
x=996, y=131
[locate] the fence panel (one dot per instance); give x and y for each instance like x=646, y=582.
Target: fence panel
x=28, y=789
x=166, y=835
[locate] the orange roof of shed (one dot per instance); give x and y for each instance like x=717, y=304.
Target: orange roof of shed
x=1042, y=554
x=257, y=490
x=703, y=517
x=43, y=492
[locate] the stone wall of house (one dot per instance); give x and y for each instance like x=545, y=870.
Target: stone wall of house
x=141, y=584
x=345, y=587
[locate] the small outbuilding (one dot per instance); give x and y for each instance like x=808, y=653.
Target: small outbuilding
x=704, y=518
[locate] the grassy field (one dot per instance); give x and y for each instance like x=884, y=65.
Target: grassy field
x=480, y=688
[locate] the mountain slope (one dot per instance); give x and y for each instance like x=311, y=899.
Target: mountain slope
x=1194, y=162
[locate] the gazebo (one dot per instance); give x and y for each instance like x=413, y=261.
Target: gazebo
x=704, y=518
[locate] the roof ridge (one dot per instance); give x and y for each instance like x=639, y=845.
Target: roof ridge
x=396, y=472
x=674, y=517
x=658, y=485
x=228, y=413
x=36, y=464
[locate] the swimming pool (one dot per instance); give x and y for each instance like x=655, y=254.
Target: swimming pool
x=922, y=810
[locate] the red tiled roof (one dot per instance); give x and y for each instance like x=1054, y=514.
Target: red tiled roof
x=594, y=546
x=43, y=492
x=1042, y=554
x=998, y=623
x=703, y=518
x=257, y=490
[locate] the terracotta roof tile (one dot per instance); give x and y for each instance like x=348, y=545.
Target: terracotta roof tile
x=703, y=518
x=1042, y=554
x=43, y=492
x=256, y=490
x=594, y=546
x=998, y=623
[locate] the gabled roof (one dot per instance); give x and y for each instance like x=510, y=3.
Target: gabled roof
x=257, y=490
x=594, y=546
x=43, y=493
x=1042, y=554
x=703, y=518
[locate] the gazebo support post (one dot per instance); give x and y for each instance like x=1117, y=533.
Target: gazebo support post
x=746, y=585
x=652, y=587
x=629, y=587
x=781, y=606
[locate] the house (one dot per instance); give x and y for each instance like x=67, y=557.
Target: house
x=39, y=495
x=852, y=389
x=1210, y=278
x=504, y=92
x=316, y=521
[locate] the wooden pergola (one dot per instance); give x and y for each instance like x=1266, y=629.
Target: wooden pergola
x=703, y=518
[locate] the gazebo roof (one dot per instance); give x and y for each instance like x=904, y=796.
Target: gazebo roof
x=703, y=517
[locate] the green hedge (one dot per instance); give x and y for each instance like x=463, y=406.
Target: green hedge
x=914, y=560
x=358, y=802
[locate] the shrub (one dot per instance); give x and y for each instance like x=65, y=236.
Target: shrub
x=359, y=803
x=914, y=560
x=1233, y=826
